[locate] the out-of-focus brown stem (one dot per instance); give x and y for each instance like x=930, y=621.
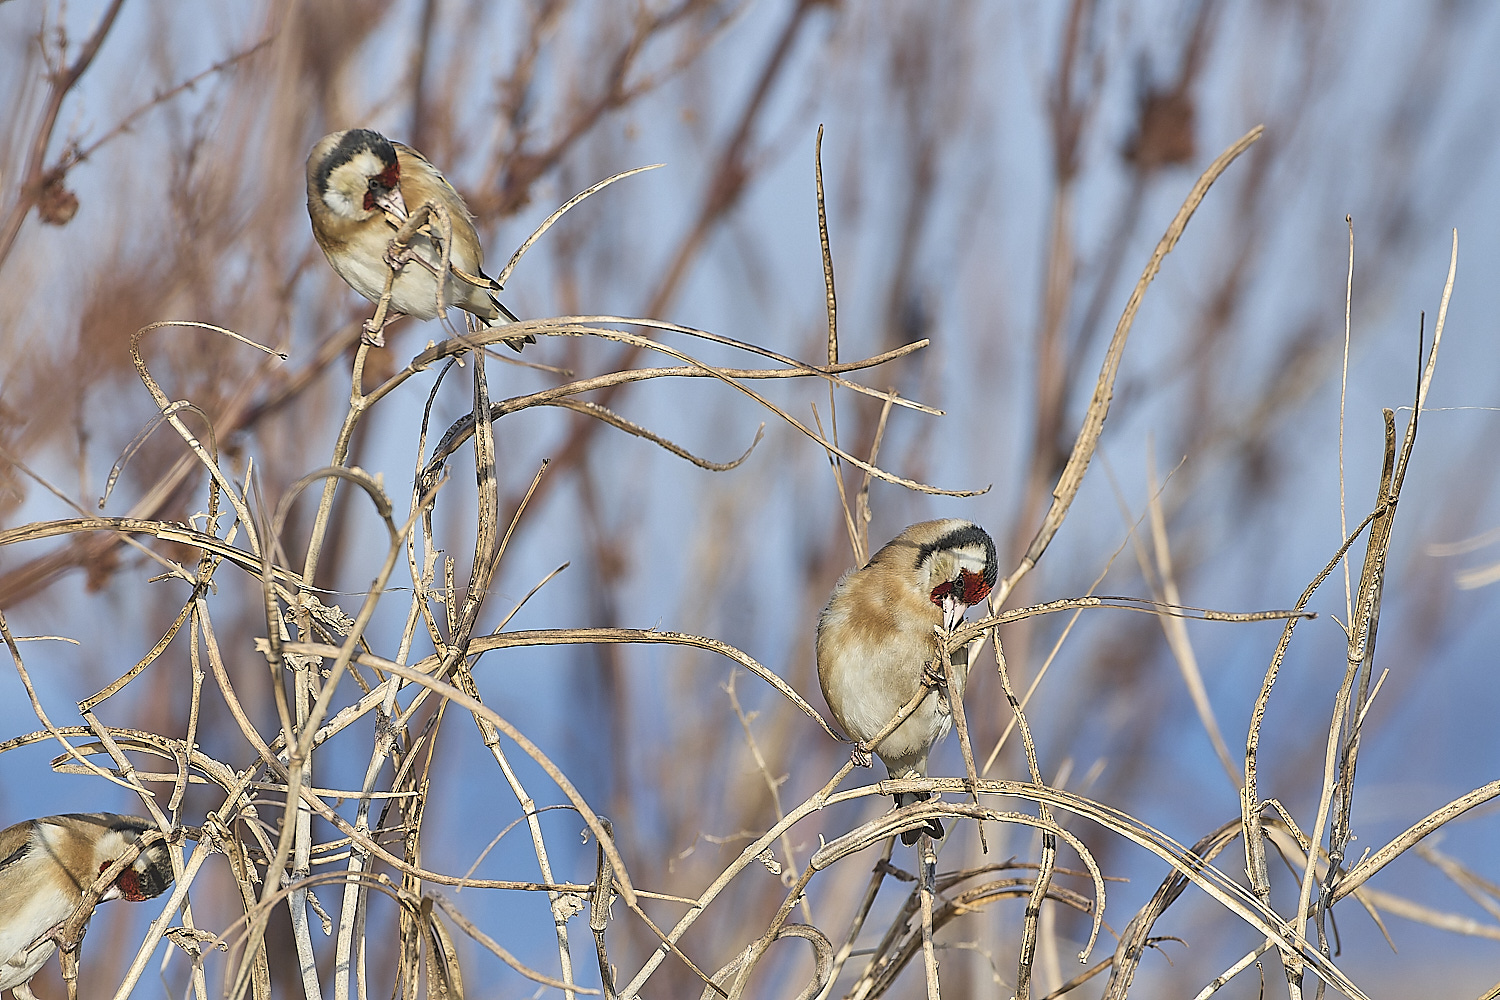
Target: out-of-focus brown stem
x=36, y=174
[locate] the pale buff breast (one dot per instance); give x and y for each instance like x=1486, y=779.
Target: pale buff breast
x=886, y=639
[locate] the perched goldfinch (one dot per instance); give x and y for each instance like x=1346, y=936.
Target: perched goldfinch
x=878, y=632
x=360, y=186
x=47, y=864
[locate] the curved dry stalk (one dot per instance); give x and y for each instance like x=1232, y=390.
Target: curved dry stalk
x=168, y=411
x=167, y=531
x=878, y=872
x=646, y=343
x=515, y=258
x=1033, y=914
x=636, y=430
x=969, y=632
x=822, y=958
x=1137, y=935
x=1093, y=422
x=494, y=947
x=552, y=637
x=155, y=651
x=143, y=435
x=579, y=325
x=1361, y=873
x=1223, y=889
x=1250, y=803
x=901, y=945
x=457, y=434
x=41, y=714
x=573, y=326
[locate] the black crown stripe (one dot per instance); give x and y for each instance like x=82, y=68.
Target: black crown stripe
x=354, y=142
x=963, y=537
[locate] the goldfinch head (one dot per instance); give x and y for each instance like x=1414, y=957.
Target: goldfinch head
x=356, y=175
x=47, y=864
x=955, y=564
x=109, y=836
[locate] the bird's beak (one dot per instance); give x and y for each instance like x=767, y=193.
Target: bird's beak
x=393, y=203
x=953, y=612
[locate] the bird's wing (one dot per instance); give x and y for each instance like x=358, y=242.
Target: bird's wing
x=13, y=841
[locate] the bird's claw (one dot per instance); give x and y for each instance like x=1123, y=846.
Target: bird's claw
x=933, y=676
x=397, y=257
x=861, y=758
x=373, y=335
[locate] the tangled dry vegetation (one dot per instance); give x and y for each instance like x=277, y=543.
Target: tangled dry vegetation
x=308, y=803
x=311, y=648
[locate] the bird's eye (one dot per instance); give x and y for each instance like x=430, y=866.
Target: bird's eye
x=382, y=182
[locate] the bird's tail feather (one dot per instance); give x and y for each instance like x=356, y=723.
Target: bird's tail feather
x=514, y=343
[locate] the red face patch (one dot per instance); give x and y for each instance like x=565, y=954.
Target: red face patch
x=969, y=589
x=974, y=587
x=129, y=883
x=386, y=180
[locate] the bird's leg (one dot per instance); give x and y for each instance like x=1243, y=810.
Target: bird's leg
x=375, y=335
x=933, y=675
x=398, y=256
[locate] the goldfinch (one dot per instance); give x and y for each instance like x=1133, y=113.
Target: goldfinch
x=47, y=864
x=880, y=630
x=360, y=186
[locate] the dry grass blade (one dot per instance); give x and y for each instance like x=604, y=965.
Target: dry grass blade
x=1093, y=423
x=143, y=436
x=1137, y=934
x=822, y=959
x=618, y=422
x=495, y=948
x=1225, y=890
x=549, y=637
x=515, y=258
x=1368, y=866
x=1176, y=631
x=167, y=531
x=41, y=714
x=575, y=327
x=461, y=429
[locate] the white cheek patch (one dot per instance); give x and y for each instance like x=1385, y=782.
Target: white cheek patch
x=340, y=203
x=350, y=182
